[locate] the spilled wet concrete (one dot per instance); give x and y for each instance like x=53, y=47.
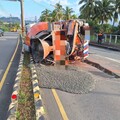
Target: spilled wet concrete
x=72, y=80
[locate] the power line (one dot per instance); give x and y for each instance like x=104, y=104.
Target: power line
x=43, y=4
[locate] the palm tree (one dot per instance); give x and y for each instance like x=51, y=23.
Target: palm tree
x=103, y=11
x=116, y=10
x=68, y=13
x=74, y=16
x=45, y=15
x=87, y=8
x=59, y=11
x=53, y=16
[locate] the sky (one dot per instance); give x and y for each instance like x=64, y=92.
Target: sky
x=34, y=8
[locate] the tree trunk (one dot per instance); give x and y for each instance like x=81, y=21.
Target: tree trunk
x=113, y=23
x=102, y=21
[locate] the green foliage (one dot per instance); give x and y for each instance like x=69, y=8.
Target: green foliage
x=100, y=10
x=74, y=16
x=45, y=16
x=87, y=9
x=113, y=29
x=59, y=13
x=119, y=25
x=96, y=12
x=106, y=28
x=68, y=13
x=17, y=115
x=16, y=25
x=6, y=27
x=104, y=11
x=22, y=97
x=92, y=22
x=116, y=11
x=97, y=28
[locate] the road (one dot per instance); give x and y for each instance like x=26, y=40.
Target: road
x=8, y=44
x=103, y=103
x=107, y=58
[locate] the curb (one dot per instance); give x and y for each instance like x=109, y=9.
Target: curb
x=14, y=97
x=39, y=109
x=98, y=66
x=104, y=46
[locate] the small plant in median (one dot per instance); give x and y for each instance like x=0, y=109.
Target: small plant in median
x=26, y=108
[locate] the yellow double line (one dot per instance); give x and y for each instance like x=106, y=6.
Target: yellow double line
x=8, y=67
x=60, y=106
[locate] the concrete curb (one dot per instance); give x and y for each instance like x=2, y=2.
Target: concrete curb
x=39, y=109
x=105, y=70
x=14, y=97
x=104, y=46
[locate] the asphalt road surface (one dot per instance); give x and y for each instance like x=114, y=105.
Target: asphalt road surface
x=107, y=58
x=8, y=44
x=103, y=103
x=105, y=53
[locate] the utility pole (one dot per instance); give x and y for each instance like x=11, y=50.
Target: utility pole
x=10, y=23
x=35, y=19
x=22, y=17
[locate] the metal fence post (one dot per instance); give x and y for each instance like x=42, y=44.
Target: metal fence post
x=110, y=39
x=96, y=37
x=115, y=39
x=105, y=37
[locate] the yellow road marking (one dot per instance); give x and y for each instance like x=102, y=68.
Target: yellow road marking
x=60, y=106
x=8, y=67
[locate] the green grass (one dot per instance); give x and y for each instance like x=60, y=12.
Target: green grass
x=26, y=108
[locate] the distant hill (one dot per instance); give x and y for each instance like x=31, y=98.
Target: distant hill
x=29, y=22
x=10, y=19
x=14, y=20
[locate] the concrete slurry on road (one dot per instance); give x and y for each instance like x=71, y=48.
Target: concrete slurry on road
x=8, y=45
x=102, y=103
x=72, y=80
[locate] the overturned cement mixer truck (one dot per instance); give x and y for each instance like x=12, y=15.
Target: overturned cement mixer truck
x=59, y=42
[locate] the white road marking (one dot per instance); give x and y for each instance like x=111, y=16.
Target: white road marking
x=118, y=61
x=10, y=37
x=2, y=39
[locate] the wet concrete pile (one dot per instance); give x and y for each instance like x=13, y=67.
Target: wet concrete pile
x=73, y=80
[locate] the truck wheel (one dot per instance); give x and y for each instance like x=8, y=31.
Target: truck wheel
x=35, y=51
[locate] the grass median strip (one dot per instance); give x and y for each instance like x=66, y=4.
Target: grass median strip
x=26, y=108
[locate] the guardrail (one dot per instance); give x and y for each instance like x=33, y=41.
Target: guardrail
x=108, y=38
